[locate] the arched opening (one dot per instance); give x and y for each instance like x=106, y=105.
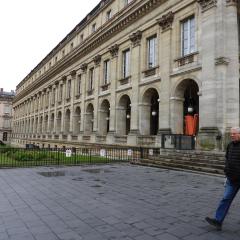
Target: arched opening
x=59, y=122
x=89, y=119
x=41, y=124
x=186, y=108
x=52, y=122
x=124, y=115
x=5, y=136
x=45, y=124
x=67, y=121
x=36, y=126
x=104, y=118
x=77, y=121
x=150, y=112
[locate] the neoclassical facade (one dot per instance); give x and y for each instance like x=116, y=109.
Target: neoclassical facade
x=6, y=113
x=133, y=70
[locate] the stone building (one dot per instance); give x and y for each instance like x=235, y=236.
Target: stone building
x=131, y=71
x=6, y=99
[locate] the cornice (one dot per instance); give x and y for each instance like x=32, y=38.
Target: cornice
x=105, y=34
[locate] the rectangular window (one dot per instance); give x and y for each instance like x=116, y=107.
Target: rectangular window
x=188, y=36
x=53, y=96
x=127, y=2
x=106, y=71
x=60, y=93
x=6, y=109
x=94, y=28
x=108, y=15
x=126, y=63
x=81, y=38
x=69, y=89
x=78, y=90
x=151, y=51
x=91, y=75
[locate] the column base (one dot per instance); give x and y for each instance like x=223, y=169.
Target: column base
x=209, y=138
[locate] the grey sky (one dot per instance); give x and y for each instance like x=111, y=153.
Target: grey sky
x=30, y=29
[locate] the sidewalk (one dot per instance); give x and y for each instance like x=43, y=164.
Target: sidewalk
x=121, y=202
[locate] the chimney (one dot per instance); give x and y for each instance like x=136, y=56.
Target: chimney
x=1, y=89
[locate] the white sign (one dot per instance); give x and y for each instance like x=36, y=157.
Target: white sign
x=129, y=152
x=102, y=152
x=68, y=152
x=150, y=152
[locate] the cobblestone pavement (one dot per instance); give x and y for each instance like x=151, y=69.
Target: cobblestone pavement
x=122, y=202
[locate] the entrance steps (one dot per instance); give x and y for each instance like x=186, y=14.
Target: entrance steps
x=200, y=161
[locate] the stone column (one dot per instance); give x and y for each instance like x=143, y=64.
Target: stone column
x=165, y=58
x=73, y=82
x=83, y=96
x=63, y=103
x=135, y=79
x=113, y=86
x=232, y=72
x=97, y=79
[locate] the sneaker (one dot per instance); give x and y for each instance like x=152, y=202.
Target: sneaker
x=214, y=223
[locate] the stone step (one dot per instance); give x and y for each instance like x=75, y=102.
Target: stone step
x=194, y=156
x=214, y=165
x=193, y=160
x=179, y=166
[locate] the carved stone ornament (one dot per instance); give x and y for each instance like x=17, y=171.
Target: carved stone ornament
x=232, y=2
x=73, y=73
x=166, y=21
x=136, y=38
x=83, y=67
x=207, y=4
x=222, y=61
x=97, y=59
x=114, y=50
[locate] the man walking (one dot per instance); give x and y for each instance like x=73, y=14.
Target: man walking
x=232, y=171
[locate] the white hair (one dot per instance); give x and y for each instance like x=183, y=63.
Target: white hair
x=237, y=129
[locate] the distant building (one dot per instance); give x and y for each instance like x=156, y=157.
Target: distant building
x=6, y=99
x=134, y=70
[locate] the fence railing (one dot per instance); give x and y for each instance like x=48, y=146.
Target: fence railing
x=178, y=141
x=31, y=156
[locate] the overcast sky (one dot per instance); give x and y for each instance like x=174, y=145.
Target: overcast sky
x=30, y=29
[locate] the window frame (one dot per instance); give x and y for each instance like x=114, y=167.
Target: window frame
x=191, y=37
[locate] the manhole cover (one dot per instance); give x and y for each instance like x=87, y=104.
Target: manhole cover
x=52, y=174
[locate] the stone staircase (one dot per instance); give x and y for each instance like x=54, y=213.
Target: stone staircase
x=200, y=161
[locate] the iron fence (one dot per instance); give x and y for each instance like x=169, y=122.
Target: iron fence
x=34, y=156
x=178, y=141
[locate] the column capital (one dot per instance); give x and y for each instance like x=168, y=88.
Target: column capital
x=97, y=59
x=136, y=38
x=207, y=4
x=83, y=67
x=165, y=22
x=73, y=73
x=231, y=2
x=114, y=50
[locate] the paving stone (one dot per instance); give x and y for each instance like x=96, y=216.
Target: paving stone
x=133, y=203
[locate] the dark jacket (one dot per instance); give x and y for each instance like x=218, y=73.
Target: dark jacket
x=232, y=163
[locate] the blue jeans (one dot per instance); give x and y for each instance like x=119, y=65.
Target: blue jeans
x=228, y=196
